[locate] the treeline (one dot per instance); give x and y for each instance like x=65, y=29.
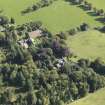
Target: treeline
x=87, y=6
x=27, y=85
x=38, y=5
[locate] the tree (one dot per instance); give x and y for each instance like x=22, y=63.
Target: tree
x=84, y=27
x=62, y=35
x=31, y=98
x=98, y=66
x=83, y=89
x=3, y=41
x=84, y=63
x=4, y=20
x=73, y=90
x=76, y=1
x=72, y=31
x=20, y=79
x=12, y=21
x=95, y=10
x=34, y=7
x=1, y=80
x=29, y=84
x=89, y=6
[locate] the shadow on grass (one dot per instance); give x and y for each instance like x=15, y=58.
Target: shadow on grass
x=91, y=13
x=102, y=29
x=82, y=7
x=102, y=20
x=71, y=3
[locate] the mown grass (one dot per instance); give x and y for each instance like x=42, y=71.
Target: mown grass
x=90, y=44
x=60, y=16
x=97, y=98
x=100, y=4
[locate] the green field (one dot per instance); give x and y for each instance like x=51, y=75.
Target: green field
x=60, y=16
x=90, y=44
x=97, y=98
x=100, y=4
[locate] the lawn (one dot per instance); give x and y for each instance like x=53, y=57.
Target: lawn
x=90, y=44
x=60, y=16
x=97, y=98
x=100, y=4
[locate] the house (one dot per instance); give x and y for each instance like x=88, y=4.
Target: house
x=2, y=29
x=23, y=43
x=34, y=34
x=26, y=42
x=60, y=63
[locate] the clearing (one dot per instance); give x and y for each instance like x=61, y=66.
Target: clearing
x=89, y=44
